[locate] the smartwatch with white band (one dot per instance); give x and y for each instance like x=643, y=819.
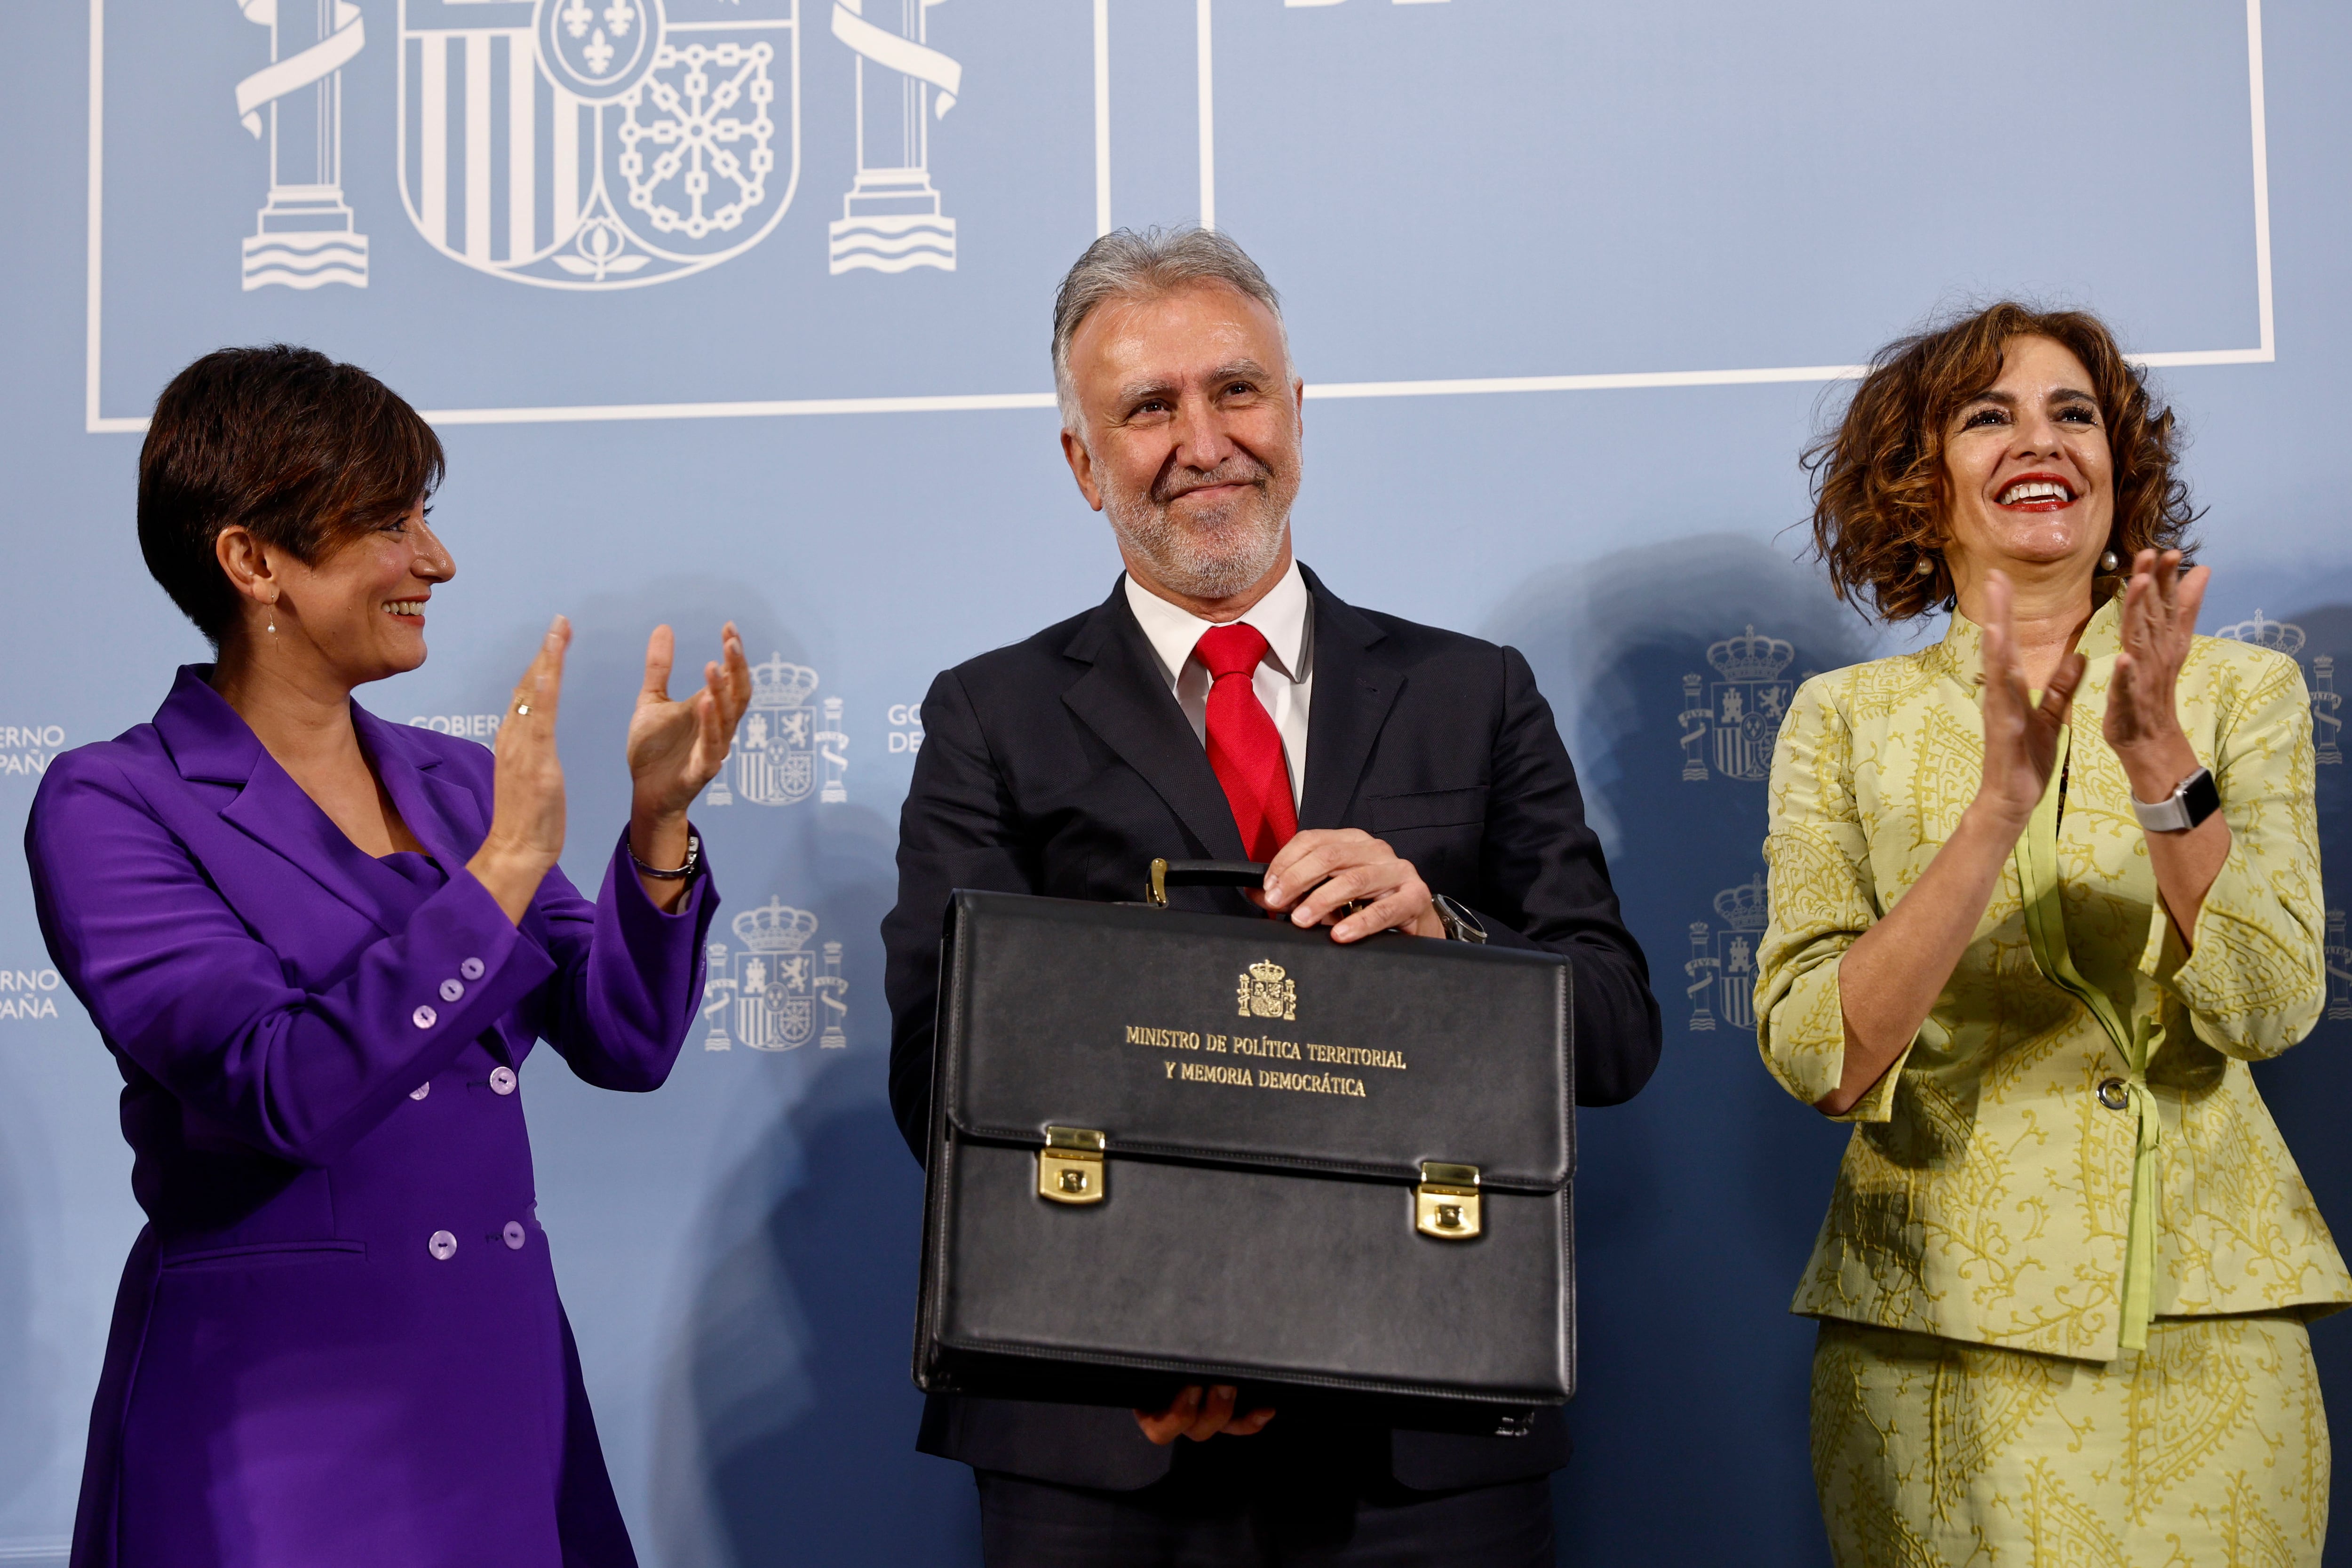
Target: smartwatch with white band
x=2194, y=800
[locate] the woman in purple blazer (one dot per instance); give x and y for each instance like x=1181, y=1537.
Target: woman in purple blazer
x=319, y=946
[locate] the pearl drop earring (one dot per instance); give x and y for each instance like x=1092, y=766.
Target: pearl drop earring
x=2108, y=562
x=1927, y=567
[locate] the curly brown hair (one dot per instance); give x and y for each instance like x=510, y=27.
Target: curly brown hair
x=1879, y=479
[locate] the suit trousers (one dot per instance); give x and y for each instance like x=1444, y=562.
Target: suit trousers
x=1245, y=1502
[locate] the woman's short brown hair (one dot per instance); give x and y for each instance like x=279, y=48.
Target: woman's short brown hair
x=306, y=453
x=1878, y=479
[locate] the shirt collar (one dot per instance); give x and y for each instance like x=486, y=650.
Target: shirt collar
x=1280, y=617
x=1961, y=652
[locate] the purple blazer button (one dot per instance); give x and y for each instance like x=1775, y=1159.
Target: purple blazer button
x=424, y=1017
x=514, y=1235
x=421, y=1090
x=451, y=990
x=502, y=1079
x=471, y=969
x=443, y=1246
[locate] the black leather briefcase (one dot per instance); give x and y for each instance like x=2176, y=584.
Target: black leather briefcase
x=1171, y=1148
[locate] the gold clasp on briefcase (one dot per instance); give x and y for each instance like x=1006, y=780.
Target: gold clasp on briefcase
x=1446, y=1205
x=1070, y=1168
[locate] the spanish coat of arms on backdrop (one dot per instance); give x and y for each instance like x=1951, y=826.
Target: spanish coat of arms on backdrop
x=1730, y=726
x=1721, y=968
x=768, y=995
x=591, y=145
x=783, y=743
x=1732, y=720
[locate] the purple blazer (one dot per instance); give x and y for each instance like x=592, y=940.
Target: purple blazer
x=337, y=1339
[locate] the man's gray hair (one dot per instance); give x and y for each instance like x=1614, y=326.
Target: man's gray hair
x=1124, y=265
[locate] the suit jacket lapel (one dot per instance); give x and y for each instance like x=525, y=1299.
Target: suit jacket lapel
x=446, y=815
x=272, y=810
x=1355, y=688
x=1122, y=698
x=210, y=741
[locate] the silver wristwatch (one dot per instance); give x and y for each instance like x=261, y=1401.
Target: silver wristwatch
x=1460, y=925
x=2192, y=802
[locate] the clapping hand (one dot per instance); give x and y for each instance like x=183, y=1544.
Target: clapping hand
x=2143, y=727
x=2159, y=620
x=2021, y=736
x=675, y=748
x=527, y=809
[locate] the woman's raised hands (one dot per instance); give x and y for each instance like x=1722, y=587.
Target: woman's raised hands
x=2160, y=621
x=2143, y=726
x=675, y=748
x=526, y=813
x=2021, y=736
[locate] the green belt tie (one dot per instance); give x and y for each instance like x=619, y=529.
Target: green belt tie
x=2045, y=929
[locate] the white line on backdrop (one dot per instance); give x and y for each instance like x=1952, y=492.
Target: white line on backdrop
x=97, y=423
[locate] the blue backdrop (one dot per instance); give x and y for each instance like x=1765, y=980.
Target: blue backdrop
x=740, y=309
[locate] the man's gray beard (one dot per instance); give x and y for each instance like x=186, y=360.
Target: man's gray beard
x=1213, y=561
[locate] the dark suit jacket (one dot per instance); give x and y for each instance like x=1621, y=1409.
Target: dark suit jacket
x=1062, y=765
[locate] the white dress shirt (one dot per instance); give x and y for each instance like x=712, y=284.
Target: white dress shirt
x=1285, y=679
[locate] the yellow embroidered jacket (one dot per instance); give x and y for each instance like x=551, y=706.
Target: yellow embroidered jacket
x=1987, y=1194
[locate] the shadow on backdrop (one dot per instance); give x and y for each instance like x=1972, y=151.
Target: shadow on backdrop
x=783, y=1426
x=1697, y=1202
x=803, y=1414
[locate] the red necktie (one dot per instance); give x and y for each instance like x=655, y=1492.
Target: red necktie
x=1245, y=748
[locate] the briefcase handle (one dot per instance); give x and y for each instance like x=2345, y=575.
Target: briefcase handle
x=1167, y=874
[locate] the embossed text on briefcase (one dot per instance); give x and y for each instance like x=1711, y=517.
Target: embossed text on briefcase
x=1170, y=1147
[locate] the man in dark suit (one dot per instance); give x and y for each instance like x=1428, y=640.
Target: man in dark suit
x=1222, y=703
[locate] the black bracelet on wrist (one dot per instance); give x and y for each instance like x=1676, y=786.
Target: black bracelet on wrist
x=693, y=862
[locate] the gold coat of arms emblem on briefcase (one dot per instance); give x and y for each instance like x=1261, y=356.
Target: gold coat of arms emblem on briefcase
x=1267, y=992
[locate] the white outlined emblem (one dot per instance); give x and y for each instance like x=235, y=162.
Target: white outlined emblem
x=781, y=744
x=890, y=220
x=596, y=54
x=1721, y=968
x=304, y=236
x=772, y=992
x=1739, y=718
x=2318, y=673
x=597, y=144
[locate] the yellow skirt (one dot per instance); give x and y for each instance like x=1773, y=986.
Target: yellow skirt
x=2207, y=1448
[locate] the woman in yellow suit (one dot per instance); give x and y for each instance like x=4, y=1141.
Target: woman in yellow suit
x=2038, y=893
